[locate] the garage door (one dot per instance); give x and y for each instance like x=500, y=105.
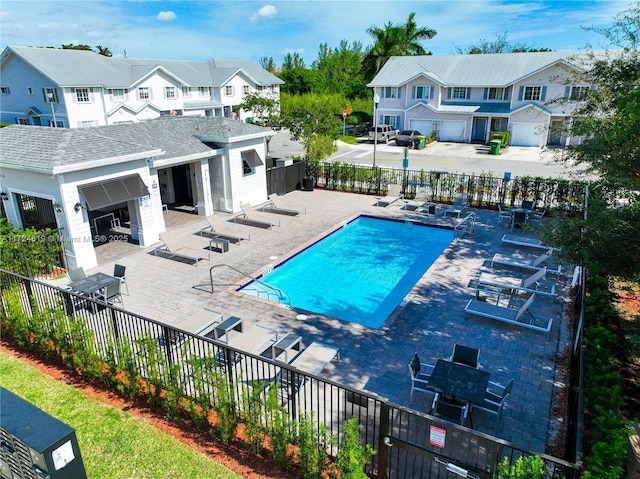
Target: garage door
x=423, y=126
x=452, y=130
x=525, y=134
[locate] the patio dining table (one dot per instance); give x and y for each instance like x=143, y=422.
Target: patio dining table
x=93, y=283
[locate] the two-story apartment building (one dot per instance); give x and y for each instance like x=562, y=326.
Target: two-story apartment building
x=76, y=88
x=463, y=98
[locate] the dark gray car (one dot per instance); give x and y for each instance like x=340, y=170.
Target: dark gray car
x=406, y=137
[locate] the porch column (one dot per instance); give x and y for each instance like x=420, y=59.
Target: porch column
x=204, y=205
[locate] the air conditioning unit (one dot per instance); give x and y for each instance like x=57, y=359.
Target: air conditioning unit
x=35, y=444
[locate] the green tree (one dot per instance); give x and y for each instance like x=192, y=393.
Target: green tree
x=104, y=51
x=394, y=40
x=500, y=45
x=297, y=78
x=268, y=64
x=339, y=70
x=265, y=108
x=71, y=46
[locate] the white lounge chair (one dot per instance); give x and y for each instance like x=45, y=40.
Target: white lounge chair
x=520, y=317
x=277, y=204
x=174, y=246
x=315, y=357
x=223, y=229
x=459, y=205
x=533, y=264
x=530, y=284
x=256, y=218
x=422, y=196
x=525, y=242
x=394, y=193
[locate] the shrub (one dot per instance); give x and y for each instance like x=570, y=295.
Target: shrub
x=531, y=467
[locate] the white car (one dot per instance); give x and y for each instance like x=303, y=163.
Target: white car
x=385, y=133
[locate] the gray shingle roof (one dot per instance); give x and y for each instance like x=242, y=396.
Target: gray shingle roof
x=71, y=68
x=500, y=69
x=44, y=148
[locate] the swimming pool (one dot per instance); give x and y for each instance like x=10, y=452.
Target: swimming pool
x=359, y=273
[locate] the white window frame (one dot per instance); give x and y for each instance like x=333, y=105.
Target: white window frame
x=246, y=169
x=532, y=93
x=170, y=93
x=391, y=120
x=5, y=90
x=392, y=92
x=579, y=92
x=22, y=121
x=493, y=93
x=53, y=91
x=144, y=93
x=83, y=95
x=205, y=91
x=259, y=87
x=245, y=89
x=459, y=93
x=423, y=92
x=186, y=92
x=87, y=123
x=59, y=123
x=228, y=90
x=118, y=94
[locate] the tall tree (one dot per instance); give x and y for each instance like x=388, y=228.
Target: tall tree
x=394, y=40
x=339, y=70
x=104, y=51
x=268, y=64
x=500, y=45
x=297, y=78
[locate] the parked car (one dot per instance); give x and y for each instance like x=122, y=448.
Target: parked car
x=406, y=137
x=385, y=133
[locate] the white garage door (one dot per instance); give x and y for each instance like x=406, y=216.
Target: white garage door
x=423, y=126
x=525, y=134
x=451, y=130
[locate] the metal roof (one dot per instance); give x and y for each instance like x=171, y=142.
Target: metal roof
x=484, y=70
x=168, y=137
x=73, y=68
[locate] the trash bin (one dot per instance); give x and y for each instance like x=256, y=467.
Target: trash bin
x=495, y=147
x=307, y=184
x=419, y=142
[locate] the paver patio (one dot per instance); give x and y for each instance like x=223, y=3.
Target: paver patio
x=375, y=360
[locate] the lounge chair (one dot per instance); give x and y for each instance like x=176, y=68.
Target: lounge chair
x=459, y=205
x=257, y=340
x=173, y=246
x=422, y=196
x=520, y=317
x=530, y=284
x=525, y=242
x=315, y=357
x=256, y=218
x=218, y=228
x=532, y=264
x=394, y=193
x=279, y=205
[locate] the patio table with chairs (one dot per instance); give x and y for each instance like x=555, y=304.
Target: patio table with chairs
x=98, y=286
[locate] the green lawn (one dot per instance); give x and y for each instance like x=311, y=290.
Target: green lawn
x=113, y=444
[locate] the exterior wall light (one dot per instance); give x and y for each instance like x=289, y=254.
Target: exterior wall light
x=57, y=207
x=77, y=207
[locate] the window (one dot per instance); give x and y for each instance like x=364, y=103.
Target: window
x=186, y=92
x=22, y=121
x=422, y=92
x=391, y=92
x=579, y=92
x=245, y=89
x=204, y=91
x=496, y=93
x=50, y=95
x=459, y=93
x=389, y=120
x=58, y=123
x=228, y=90
x=170, y=93
x=117, y=94
x=29, y=91
x=144, y=93
x=532, y=93
x=259, y=87
x=84, y=124
x=82, y=95
x=4, y=90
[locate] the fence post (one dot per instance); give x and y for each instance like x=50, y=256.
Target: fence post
x=383, y=449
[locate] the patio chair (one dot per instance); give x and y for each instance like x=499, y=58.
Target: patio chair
x=522, y=242
x=518, y=218
x=420, y=374
x=119, y=271
x=218, y=228
x=421, y=198
x=503, y=213
x=536, y=216
x=256, y=218
x=530, y=284
x=173, y=246
x=451, y=411
x=459, y=205
x=527, y=204
x=110, y=294
x=532, y=264
x=394, y=193
x=465, y=355
x=76, y=274
x=278, y=205
x=495, y=398
x=510, y=315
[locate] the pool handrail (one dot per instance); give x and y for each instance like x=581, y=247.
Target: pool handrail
x=281, y=295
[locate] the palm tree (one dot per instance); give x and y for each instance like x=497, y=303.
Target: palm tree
x=394, y=40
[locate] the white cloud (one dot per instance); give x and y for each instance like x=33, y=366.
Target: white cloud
x=166, y=16
x=268, y=11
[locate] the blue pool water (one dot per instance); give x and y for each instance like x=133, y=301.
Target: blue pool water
x=361, y=272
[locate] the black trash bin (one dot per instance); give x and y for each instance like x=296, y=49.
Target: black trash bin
x=307, y=184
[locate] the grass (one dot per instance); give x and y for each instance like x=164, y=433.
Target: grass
x=352, y=140
x=113, y=444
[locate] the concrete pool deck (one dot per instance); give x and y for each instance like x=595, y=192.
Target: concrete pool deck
x=430, y=323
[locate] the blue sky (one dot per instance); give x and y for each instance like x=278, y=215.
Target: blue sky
x=198, y=30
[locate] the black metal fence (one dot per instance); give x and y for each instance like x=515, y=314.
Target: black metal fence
x=409, y=444
x=485, y=191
